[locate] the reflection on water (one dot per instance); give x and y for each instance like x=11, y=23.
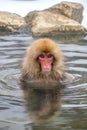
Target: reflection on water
x=42, y=104
x=68, y=108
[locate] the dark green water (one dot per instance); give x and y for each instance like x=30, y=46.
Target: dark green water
x=73, y=112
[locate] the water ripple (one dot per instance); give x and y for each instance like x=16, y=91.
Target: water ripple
x=12, y=49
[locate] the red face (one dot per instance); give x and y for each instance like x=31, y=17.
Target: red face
x=46, y=61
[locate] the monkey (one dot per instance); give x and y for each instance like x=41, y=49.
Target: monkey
x=43, y=64
x=42, y=77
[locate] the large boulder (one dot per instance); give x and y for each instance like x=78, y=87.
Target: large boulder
x=70, y=9
x=10, y=22
x=46, y=23
x=60, y=18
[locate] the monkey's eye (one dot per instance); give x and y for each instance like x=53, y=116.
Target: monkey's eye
x=41, y=55
x=50, y=55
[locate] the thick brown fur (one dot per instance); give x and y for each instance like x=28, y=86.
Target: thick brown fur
x=31, y=68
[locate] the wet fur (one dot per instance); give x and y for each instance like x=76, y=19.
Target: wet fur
x=31, y=69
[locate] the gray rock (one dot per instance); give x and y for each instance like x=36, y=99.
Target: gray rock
x=10, y=22
x=47, y=23
x=69, y=9
x=29, y=17
x=61, y=18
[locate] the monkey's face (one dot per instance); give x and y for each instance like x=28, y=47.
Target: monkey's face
x=46, y=62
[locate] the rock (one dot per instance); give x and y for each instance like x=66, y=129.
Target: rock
x=47, y=23
x=61, y=18
x=69, y=9
x=29, y=17
x=10, y=22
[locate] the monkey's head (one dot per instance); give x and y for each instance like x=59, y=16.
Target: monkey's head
x=43, y=56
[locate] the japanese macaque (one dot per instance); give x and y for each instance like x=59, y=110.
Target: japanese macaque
x=43, y=64
x=43, y=76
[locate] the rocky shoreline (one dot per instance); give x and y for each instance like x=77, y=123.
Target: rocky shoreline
x=62, y=18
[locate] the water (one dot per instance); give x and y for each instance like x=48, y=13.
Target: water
x=70, y=110
x=71, y=106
